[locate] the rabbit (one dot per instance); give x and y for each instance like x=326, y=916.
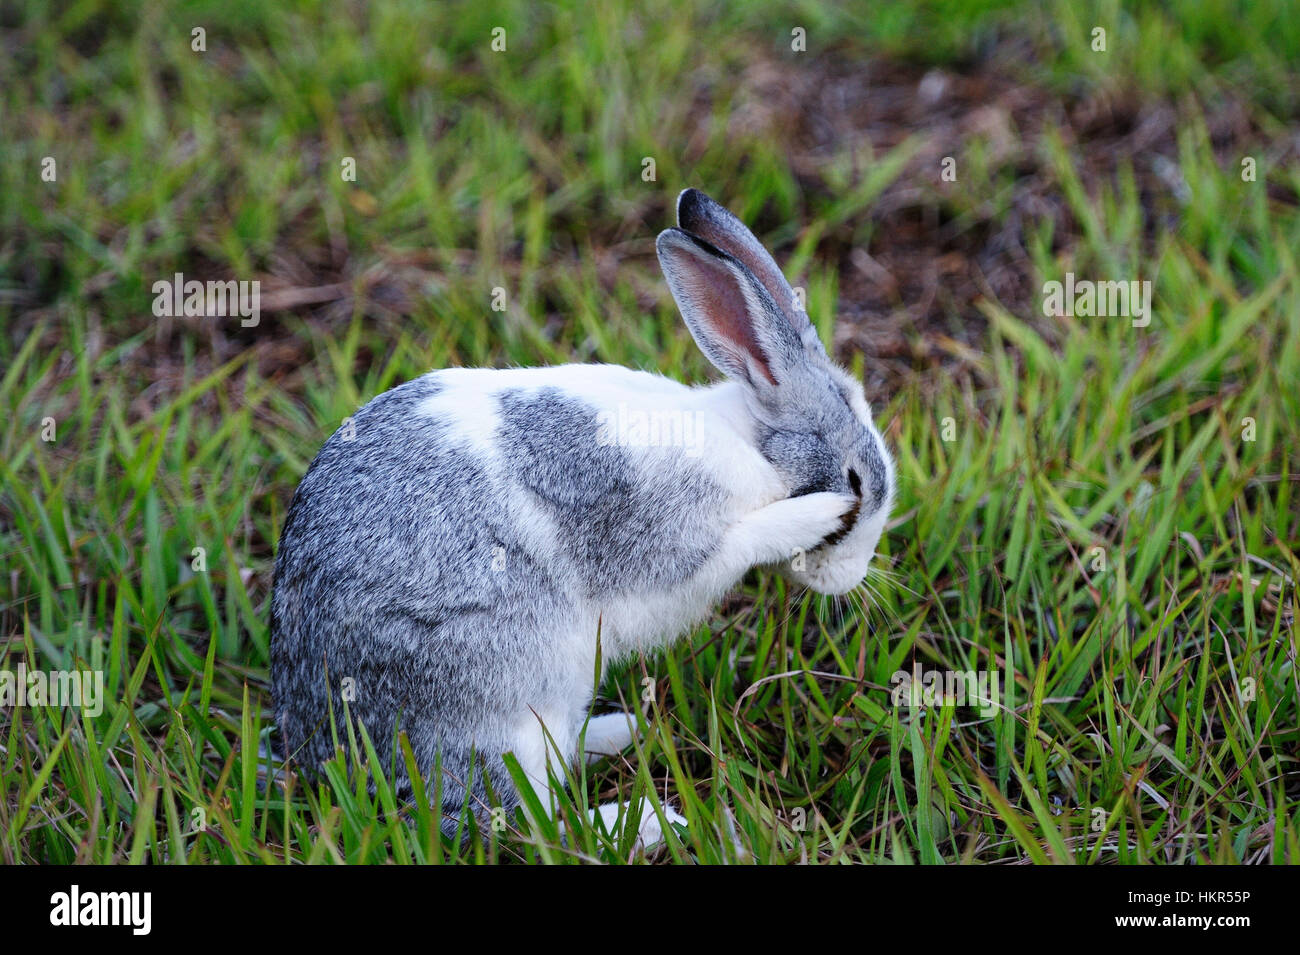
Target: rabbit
x=454, y=554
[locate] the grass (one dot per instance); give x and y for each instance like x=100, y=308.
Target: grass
x=1104, y=516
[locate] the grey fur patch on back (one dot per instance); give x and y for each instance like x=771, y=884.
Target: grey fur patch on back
x=618, y=523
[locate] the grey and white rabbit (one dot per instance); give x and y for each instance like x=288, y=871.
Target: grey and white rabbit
x=454, y=552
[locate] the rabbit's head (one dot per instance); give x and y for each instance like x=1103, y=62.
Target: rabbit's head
x=811, y=420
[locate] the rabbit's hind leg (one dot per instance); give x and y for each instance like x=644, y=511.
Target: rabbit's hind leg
x=542, y=746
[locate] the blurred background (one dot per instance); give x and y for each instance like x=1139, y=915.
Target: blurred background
x=1082, y=502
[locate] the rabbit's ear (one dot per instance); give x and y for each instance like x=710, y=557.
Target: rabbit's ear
x=730, y=313
x=701, y=216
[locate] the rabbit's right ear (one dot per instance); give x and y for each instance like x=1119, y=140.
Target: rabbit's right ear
x=731, y=314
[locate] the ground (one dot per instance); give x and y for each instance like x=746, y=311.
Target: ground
x=1100, y=513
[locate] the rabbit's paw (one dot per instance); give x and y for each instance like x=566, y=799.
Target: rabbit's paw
x=785, y=529
x=609, y=735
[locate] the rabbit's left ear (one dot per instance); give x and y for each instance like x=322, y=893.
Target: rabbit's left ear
x=702, y=217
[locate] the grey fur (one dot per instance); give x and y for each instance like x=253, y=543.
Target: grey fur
x=814, y=448
x=384, y=577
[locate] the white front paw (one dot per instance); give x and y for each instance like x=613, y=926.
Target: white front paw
x=802, y=523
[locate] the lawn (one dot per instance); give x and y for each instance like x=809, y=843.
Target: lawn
x=1098, y=512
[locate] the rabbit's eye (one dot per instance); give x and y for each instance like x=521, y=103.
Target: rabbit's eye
x=855, y=482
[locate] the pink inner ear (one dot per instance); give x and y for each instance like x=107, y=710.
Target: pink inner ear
x=733, y=238
x=763, y=272
x=718, y=294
